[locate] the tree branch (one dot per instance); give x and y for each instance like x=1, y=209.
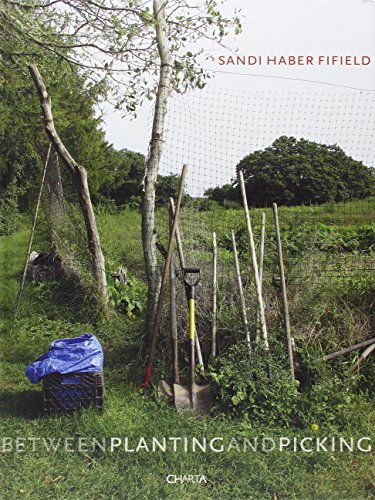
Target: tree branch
x=80, y=177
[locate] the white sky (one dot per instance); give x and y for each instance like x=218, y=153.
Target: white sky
x=279, y=27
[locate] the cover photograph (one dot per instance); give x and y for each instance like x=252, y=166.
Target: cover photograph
x=187, y=249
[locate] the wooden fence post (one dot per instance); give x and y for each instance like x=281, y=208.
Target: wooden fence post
x=240, y=287
x=214, y=289
x=283, y=290
x=253, y=256
x=79, y=175
x=261, y=262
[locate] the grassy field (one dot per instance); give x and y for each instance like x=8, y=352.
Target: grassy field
x=134, y=413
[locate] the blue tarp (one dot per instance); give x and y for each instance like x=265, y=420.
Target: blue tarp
x=79, y=354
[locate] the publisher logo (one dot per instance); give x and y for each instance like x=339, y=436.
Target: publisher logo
x=189, y=478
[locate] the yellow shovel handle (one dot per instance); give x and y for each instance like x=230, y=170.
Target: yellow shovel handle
x=191, y=319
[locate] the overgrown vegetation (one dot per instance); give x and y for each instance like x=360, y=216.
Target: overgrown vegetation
x=327, y=401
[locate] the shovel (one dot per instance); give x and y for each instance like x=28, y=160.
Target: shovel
x=192, y=397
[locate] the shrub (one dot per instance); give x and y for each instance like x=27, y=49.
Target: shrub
x=204, y=205
x=327, y=395
x=332, y=401
x=128, y=297
x=9, y=215
x=242, y=387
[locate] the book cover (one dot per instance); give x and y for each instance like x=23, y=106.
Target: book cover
x=213, y=243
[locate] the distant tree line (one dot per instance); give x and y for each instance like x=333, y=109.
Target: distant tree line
x=297, y=172
x=113, y=175
x=290, y=171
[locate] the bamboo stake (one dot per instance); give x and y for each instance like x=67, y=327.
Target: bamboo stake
x=199, y=353
x=240, y=287
x=261, y=247
x=28, y=253
x=347, y=350
x=362, y=357
x=167, y=262
x=172, y=292
x=214, y=289
x=178, y=239
x=182, y=266
x=261, y=260
x=283, y=290
x=262, y=317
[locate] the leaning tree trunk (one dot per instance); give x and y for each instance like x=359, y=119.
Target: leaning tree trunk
x=80, y=179
x=153, y=162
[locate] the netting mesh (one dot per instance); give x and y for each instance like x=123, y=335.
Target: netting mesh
x=211, y=131
x=65, y=221
x=60, y=256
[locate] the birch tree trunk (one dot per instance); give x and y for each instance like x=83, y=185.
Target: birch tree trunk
x=80, y=179
x=153, y=162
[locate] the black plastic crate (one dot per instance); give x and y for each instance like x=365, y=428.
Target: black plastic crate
x=72, y=391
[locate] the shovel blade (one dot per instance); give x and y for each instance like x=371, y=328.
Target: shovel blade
x=165, y=389
x=197, y=399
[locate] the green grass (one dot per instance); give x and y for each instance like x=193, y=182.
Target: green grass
x=121, y=238
x=132, y=412
x=11, y=248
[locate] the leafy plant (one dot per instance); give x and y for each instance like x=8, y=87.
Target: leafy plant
x=254, y=387
x=128, y=297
